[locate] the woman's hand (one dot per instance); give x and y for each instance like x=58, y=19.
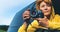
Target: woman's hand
x=43, y=21
x=26, y=15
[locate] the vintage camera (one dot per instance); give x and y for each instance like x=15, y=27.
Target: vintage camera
x=36, y=13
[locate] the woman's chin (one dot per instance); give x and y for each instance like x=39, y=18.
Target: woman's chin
x=46, y=14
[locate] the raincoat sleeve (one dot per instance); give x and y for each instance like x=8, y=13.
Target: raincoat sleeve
x=55, y=23
x=33, y=26
x=22, y=28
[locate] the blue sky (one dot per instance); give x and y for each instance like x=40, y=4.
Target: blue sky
x=8, y=8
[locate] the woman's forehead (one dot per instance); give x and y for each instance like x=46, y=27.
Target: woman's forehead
x=45, y=3
x=42, y=3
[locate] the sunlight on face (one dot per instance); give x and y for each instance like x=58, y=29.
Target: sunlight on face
x=46, y=9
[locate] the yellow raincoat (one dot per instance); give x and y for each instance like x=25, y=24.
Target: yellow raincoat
x=54, y=23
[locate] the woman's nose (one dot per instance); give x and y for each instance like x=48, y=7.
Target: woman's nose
x=45, y=8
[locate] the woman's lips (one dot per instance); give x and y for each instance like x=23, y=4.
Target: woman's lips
x=46, y=11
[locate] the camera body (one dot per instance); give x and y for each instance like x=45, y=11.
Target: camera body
x=36, y=14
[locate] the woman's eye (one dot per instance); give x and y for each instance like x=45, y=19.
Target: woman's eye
x=48, y=5
x=42, y=5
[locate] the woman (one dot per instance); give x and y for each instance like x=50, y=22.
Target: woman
x=50, y=20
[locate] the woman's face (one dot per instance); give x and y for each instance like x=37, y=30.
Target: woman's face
x=46, y=9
